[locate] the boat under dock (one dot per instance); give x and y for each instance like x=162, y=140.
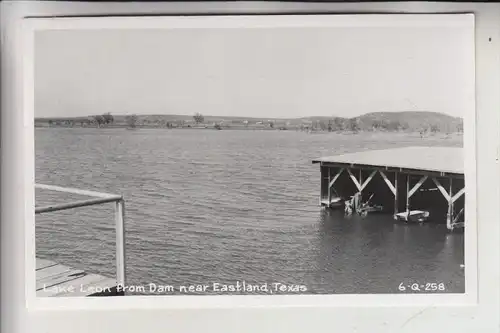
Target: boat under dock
x=401, y=180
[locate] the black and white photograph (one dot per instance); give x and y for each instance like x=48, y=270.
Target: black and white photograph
x=254, y=156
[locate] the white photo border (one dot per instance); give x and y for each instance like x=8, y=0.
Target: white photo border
x=369, y=306
x=464, y=21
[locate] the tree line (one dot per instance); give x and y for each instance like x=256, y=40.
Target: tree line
x=338, y=124
x=97, y=120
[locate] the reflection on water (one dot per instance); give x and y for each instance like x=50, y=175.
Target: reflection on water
x=387, y=253
x=222, y=206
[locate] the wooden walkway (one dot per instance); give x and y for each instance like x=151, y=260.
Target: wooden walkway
x=56, y=280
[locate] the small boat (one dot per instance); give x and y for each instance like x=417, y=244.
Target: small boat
x=336, y=202
x=361, y=208
x=371, y=208
x=366, y=207
x=413, y=216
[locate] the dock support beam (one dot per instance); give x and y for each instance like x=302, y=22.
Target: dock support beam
x=393, y=188
x=368, y=180
x=354, y=180
x=417, y=186
x=409, y=192
x=331, y=182
x=360, y=185
x=450, y=198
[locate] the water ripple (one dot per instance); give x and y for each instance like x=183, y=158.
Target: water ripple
x=222, y=206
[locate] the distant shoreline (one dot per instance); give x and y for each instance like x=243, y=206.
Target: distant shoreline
x=249, y=128
x=422, y=122
x=445, y=135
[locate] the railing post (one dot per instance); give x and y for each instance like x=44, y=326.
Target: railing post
x=120, y=241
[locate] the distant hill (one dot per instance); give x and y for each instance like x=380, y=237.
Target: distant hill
x=409, y=120
x=412, y=120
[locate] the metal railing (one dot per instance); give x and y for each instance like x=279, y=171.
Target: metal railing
x=98, y=198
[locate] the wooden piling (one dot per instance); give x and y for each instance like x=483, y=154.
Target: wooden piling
x=361, y=183
x=396, y=194
x=449, y=217
x=408, y=195
x=321, y=186
x=329, y=187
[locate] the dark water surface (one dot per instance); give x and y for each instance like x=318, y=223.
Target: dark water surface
x=209, y=206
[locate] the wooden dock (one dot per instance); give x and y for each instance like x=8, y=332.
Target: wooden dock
x=403, y=181
x=56, y=280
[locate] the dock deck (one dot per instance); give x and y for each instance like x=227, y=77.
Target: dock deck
x=448, y=160
x=56, y=280
x=401, y=180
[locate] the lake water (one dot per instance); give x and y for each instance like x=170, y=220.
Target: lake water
x=209, y=206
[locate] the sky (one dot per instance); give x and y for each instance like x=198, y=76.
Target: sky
x=273, y=73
